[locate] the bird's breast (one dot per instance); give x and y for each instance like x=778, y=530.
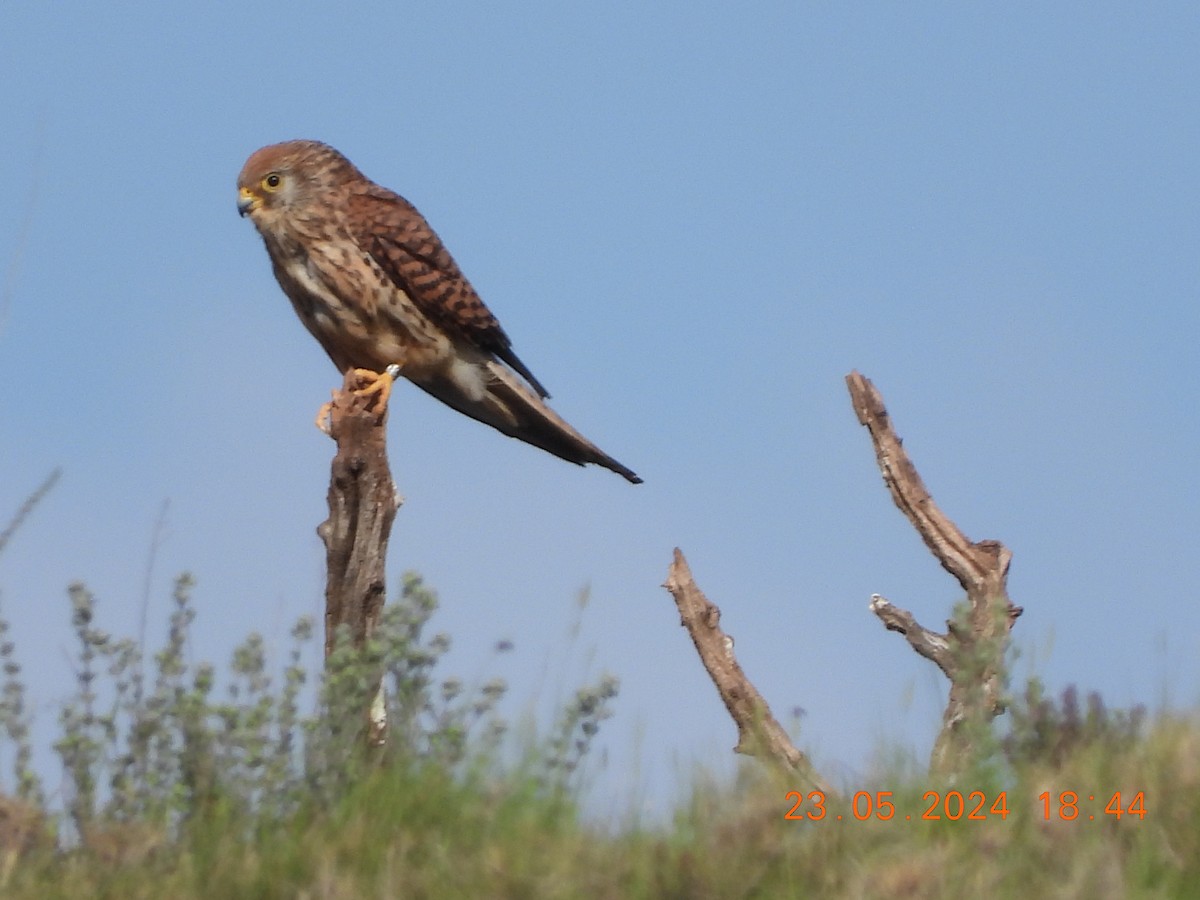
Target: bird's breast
x=362, y=319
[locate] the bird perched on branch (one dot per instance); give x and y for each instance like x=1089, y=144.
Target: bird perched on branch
x=375, y=285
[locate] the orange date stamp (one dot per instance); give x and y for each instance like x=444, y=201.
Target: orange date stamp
x=974, y=806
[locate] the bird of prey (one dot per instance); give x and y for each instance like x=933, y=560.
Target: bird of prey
x=375, y=286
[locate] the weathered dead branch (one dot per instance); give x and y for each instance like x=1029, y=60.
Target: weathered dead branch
x=759, y=733
x=933, y=646
x=362, y=506
x=971, y=654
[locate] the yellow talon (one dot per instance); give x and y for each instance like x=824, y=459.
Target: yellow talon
x=376, y=383
x=374, y=387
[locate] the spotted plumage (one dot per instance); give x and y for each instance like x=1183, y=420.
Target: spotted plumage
x=372, y=281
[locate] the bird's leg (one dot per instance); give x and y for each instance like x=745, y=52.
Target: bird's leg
x=373, y=385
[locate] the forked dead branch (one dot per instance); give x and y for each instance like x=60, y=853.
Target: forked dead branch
x=971, y=652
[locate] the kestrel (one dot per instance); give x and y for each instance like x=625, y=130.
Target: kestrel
x=374, y=285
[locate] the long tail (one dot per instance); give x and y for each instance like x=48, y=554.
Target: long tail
x=511, y=407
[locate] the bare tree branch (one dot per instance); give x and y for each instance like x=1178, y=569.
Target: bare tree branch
x=931, y=645
x=362, y=506
x=759, y=733
x=971, y=655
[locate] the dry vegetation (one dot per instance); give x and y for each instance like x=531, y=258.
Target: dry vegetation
x=194, y=783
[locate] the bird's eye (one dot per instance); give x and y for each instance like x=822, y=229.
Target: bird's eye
x=272, y=181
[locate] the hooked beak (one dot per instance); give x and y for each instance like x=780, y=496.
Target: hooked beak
x=247, y=201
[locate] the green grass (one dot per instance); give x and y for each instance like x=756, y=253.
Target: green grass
x=416, y=830
x=183, y=781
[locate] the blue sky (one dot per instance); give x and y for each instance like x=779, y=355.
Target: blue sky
x=693, y=220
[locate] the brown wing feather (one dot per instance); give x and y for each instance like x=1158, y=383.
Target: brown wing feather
x=411, y=254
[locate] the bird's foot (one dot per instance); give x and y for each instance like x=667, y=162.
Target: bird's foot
x=375, y=387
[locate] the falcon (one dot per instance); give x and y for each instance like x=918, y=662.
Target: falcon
x=373, y=283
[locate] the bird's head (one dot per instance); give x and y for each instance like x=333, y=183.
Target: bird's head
x=281, y=179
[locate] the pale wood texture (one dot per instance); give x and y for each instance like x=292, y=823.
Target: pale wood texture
x=362, y=506
x=972, y=654
x=759, y=733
